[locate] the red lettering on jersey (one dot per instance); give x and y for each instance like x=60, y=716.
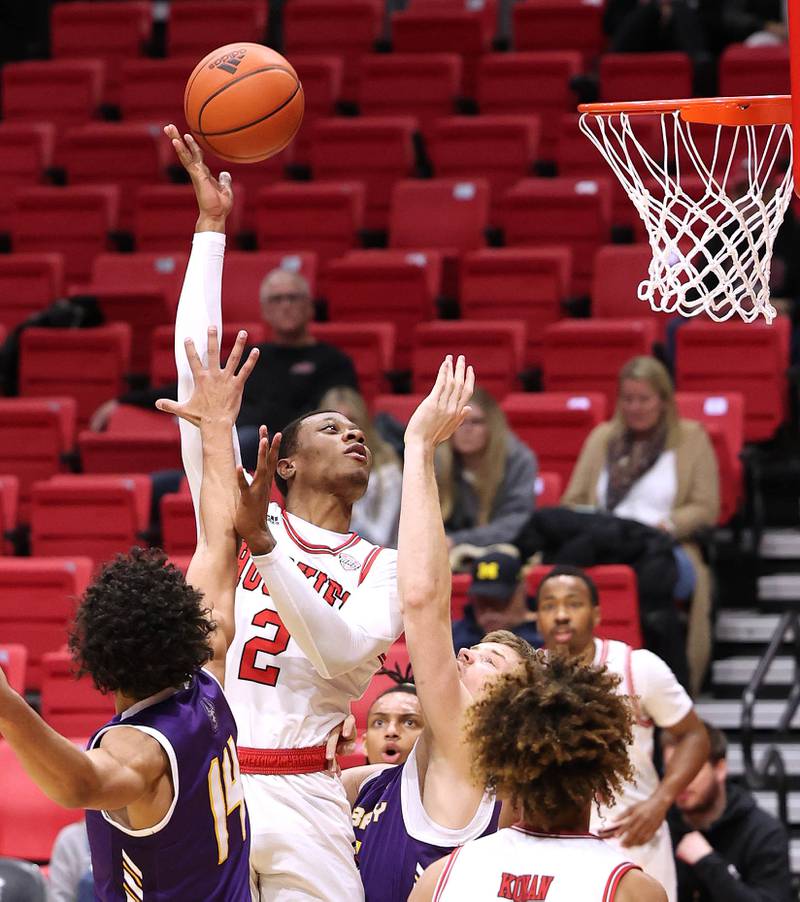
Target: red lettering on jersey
x=320, y=581
x=524, y=887
x=506, y=886
x=265, y=674
x=307, y=569
x=335, y=593
x=244, y=557
x=252, y=579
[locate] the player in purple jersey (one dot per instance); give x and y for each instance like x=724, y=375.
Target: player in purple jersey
x=409, y=816
x=167, y=820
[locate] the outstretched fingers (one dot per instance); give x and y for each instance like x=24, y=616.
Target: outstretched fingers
x=195, y=363
x=213, y=348
x=237, y=350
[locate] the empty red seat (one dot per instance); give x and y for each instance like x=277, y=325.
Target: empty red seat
x=618, y=271
x=9, y=511
x=347, y=28
x=322, y=77
x=494, y=348
x=37, y=434
x=37, y=602
x=548, y=489
x=559, y=25
x=645, y=76
x=14, y=663
x=750, y=358
x=459, y=597
x=555, y=425
x=88, y=364
x=441, y=213
x=324, y=218
x=406, y=282
x=110, y=31
x=30, y=821
x=526, y=284
x=723, y=417
x=369, y=345
x=178, y=529
x=744, y=71
x=196, y=27
x=530, y=83
x=137, y=441
x=412, y=84
x=246, y=270
x=152, y=90
x=399, y=406
x=64, y=92
x=74, y=221
x=26, y=151
x=91, y=155
x=376, y=151
x=500, y=149
x=72, y=706
x=574, y=212
x=28, y=284
x=619, y=600
x=95, y=516
x=162, y=348
x=586, y=353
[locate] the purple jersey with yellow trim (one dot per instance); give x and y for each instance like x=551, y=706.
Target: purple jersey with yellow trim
x=395, y=837
x=201, y=849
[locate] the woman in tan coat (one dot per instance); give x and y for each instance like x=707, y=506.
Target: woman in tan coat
x=647, y=464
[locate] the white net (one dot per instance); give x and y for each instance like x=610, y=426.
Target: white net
x=712, y=199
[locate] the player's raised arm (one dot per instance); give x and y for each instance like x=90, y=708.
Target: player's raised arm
x=211, y=411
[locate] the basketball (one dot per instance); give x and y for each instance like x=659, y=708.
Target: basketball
x=243, y=102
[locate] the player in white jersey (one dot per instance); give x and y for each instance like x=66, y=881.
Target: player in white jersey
x=551, y=737
x=568, y=613
x=315, y=606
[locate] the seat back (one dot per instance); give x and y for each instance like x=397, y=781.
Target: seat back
x=439, y=213
x=566, y=24
x=645, y=76
x=63, y=92
x=369, y=345
x=197, y=27
x=14, y=663
x=548, y=489
x=744, y=71
x=71, y=706
x=398, y=406
x=26, y=151
x=152, y=89
x=28, y=284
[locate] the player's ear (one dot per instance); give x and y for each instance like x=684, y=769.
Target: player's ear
x=285, y=468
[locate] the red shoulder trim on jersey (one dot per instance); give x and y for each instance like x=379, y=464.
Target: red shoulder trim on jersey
x=369, y=560
x=637, y=708
x=445, y=875
x=614, y=878
x=603, y=653
x=295, y=536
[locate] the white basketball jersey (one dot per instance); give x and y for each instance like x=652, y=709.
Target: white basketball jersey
x=278, y=698
x=516, y=863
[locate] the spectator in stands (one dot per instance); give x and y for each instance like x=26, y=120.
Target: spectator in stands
x=70, y=864
x=727, y=848
x=486, y=478
x=757, y=23
x=394, y=722
x=648, y=465
x=498, y=600
x=649, y=26
x=377, y=515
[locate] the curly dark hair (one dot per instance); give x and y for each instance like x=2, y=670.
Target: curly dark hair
x=140, y=627
x=551, y=736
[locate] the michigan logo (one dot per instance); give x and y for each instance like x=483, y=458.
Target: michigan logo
x=488, y=570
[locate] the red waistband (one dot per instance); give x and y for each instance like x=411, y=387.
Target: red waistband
x=282, y=761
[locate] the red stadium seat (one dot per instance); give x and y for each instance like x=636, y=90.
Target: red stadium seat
x=246, y=270
x=619, y=601
x=322, y=77
x=347, y=28
x=369, y=345
x=63, y=92
x=75, y=222
x=149, y=443
x=88, y=364
x=525, y=284
x=548, y=489
x=410, y=84
x=584, y=352
x=530, y=84
x=398, y=406
x=28, y=284
x=324, y=218
x=14, y=663
x=723, y=418
x=152, y=90
x=71, y=706
x=37, y=433
x=29, y=821
x=26, y=150
x=645, y=76
x=110, y=31
x=459, y=595
x=561, y=24
x=441, y=213
x=178, y=530
x=750, y=358
x=397, y=656
x=96, y=516
x=162, y=348
x=500, y=149
x=376, y=151
x=196, y=27
x=618, y=270
x=744, y=71
x=574, y=212
x=50, y=588
x=385, y=286
x=91, y=155
x=495, y=348
x=555, y=425
x=9, y=511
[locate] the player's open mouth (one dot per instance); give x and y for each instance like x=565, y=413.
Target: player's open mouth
x=562, y=635
x=391, y=754
x=358, y=451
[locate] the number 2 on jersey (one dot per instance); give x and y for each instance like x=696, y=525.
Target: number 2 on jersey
x=226, y=794
x=250, y=668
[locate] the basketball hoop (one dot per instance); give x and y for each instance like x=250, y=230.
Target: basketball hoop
x=711, y=211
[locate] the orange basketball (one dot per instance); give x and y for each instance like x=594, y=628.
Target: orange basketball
x=243, y=102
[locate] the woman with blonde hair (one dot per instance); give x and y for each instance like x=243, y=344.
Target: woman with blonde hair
x=649, y=465
x=486, y=478
x=377, y=514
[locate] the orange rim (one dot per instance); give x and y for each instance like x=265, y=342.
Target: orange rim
x=774, y=109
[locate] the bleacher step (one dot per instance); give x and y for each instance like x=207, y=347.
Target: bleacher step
x=738, y=671
x=780, y=544
x=726, y=714
x=783, y=587
x=746, y=626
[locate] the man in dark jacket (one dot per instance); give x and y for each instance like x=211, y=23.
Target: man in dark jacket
x=727, y=848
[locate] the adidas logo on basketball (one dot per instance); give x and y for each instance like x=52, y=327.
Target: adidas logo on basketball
x=229, y=62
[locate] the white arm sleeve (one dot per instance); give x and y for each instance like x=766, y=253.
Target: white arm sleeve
x=335, y=642
x=199, y=307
